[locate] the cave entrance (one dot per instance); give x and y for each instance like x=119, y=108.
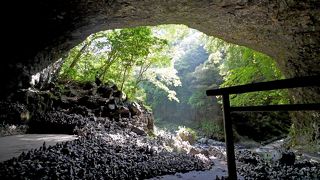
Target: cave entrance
x=286, y=31
x=168, y=68
x=55, y=27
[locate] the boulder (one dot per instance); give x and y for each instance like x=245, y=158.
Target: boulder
x=119, y=94
x=212, y=142
x=114, y=87
x=98, y=81
x=103, y=111
x=287, y=158
x=194, y=151
x=186, y=135
x=13, y=113
x=150, y=122
x=203, y=140
x=124, y=111
x=112, y=106
x=82, y=110
x=135, y=108
x=205, y=152
x=91, y=102
x=89, y=85
x=138, y=131
x=105, y=91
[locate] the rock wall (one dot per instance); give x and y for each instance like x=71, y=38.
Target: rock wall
x=74, y=108
x=37, y=33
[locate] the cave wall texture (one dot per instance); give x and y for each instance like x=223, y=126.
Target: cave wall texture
x=37, y=33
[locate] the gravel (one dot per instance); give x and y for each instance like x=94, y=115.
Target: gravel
x=113, y=144
x=252, y=166
x=113, y=156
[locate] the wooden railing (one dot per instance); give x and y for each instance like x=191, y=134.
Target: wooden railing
x=263, y=86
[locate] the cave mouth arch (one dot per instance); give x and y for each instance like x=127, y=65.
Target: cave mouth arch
x=286, y=31
x=170, y=114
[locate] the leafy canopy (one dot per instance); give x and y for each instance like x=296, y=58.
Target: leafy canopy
x=124, y=57
x=240, y=65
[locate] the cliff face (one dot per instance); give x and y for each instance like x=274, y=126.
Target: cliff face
x=37, y=33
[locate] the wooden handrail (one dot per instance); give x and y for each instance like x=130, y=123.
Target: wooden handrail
x=262, y=86
x=270, y=85
x=282, y=107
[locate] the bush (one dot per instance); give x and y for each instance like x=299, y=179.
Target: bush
x=187, y=134
x=212, y=130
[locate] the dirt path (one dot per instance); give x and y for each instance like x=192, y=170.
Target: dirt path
x=13, y=146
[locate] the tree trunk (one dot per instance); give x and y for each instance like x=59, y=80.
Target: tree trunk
x=77, y=58
x=123, y=78
x=84, y=47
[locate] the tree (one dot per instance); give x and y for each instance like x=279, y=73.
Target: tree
x=121, y=56
x=242, y=65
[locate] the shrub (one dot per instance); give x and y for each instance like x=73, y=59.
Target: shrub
x=187, y=134
x=212, y=130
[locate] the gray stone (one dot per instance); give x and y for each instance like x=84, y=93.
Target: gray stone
x=112, y=106
x=123, y=110
x=203, y=140
x=212, y=142
x=204, y=152
x=287, y=158
x=194, y=151
x=135, y=108
x=138, y=131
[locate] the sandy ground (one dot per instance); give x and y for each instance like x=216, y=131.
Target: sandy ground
x=13, y=146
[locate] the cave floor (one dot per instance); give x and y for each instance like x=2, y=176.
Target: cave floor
x=219, y=169
x=13, y=146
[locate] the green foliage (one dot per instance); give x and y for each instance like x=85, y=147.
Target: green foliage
x=305, y=134
x=198, y=99
x=151, y=134
x=187, y=134
x=173, y=33
x=170, y=67
x=159, y=82
x=123, y=57
x=192, y=73
x=242, y=65
x=212, y=129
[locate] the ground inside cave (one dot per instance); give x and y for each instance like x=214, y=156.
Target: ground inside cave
x=115, y=141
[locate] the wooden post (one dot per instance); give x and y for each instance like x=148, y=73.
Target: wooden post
x=232, y=171
x=262, y=86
